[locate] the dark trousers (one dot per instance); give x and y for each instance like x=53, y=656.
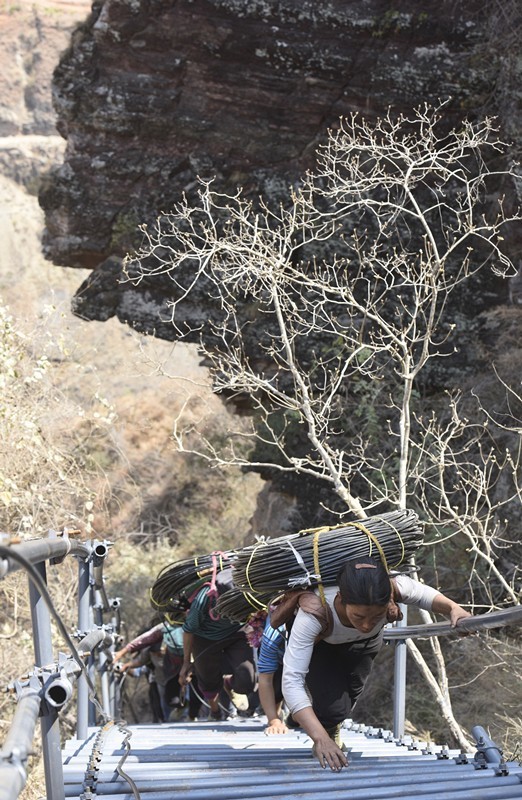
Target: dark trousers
x=173, y=693
x=232, y=656
x=156, y=707
x=336, y=678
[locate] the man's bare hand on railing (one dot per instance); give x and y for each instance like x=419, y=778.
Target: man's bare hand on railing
x=452, y=610
x=185, y=674
x=458, y=613
x=118, y=654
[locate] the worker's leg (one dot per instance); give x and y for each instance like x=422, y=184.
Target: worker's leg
x=239, y=664
x=336, y=678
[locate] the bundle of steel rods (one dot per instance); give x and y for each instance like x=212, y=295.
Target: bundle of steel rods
x=272, y=566
x=240, y=606
x=180, y=580
x=312, y=557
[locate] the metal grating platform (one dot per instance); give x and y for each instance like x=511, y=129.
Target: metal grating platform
x=235, y=760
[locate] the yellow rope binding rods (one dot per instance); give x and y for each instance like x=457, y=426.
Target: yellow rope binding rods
x=316, y=566
x=373, y=539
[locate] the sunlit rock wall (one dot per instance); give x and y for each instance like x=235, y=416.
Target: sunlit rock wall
x=152, y=94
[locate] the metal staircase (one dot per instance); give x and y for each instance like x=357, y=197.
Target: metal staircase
x=235, y=760
x=232, y=760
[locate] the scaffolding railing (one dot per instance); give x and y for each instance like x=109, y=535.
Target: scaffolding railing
x=48, y=688
x=401, y=631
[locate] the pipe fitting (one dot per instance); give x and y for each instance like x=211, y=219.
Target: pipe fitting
x=99, y=552
x=58, y=692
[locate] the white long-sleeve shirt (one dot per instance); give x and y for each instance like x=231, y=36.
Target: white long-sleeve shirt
x=306, y=628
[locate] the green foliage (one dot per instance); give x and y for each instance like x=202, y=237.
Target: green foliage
x=124, y=235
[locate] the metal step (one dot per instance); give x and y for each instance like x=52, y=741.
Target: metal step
x=235, y=760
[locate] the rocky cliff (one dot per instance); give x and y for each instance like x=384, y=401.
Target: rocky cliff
x=153, y=93
x=32, y=37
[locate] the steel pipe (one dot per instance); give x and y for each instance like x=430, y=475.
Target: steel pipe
x=399, y=683
x=58, y=692
x=21, y=731
x=492, y=753
x=494, y=619
x=38, y=550
x=18, y=745
x=84, y=624
x=12, y=781
x=99, y=554
x=94, y=638
x=483, y=787
x=214, y=779
x=43, y=651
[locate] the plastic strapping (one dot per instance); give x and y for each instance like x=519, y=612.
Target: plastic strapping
x=259, y=544
x=399, y=537
x=309, y=576
x=155, y=602
x=254, y=602
x=323, y=529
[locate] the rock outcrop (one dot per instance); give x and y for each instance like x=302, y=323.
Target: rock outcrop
x=151, y=94
x=23, y=159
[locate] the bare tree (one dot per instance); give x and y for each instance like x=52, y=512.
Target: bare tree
x=344, y=290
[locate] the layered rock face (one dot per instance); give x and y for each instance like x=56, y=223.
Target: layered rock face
x=153, y=93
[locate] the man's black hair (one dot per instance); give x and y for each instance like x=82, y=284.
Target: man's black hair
x=364, y=582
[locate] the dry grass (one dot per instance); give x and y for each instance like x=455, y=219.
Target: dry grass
x=161, y=506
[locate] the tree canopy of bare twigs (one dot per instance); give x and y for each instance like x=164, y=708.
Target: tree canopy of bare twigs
x=327, y=310
x=344, y=287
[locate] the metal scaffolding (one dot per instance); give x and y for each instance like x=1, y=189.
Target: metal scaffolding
x=227, y=760
x=49, y=686
x=235, y=760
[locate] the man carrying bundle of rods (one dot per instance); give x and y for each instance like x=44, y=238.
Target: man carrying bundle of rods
x=217, y=651
x=333, y=643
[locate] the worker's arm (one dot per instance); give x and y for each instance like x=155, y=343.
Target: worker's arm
x=295, y=668
x=325, y=749
x=410, y=591
x=449, y=608
x=269, y=705
x=152, y=636
x=186, y=669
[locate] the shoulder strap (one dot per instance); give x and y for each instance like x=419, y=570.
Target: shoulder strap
x=284, y=609
x=313, y=605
